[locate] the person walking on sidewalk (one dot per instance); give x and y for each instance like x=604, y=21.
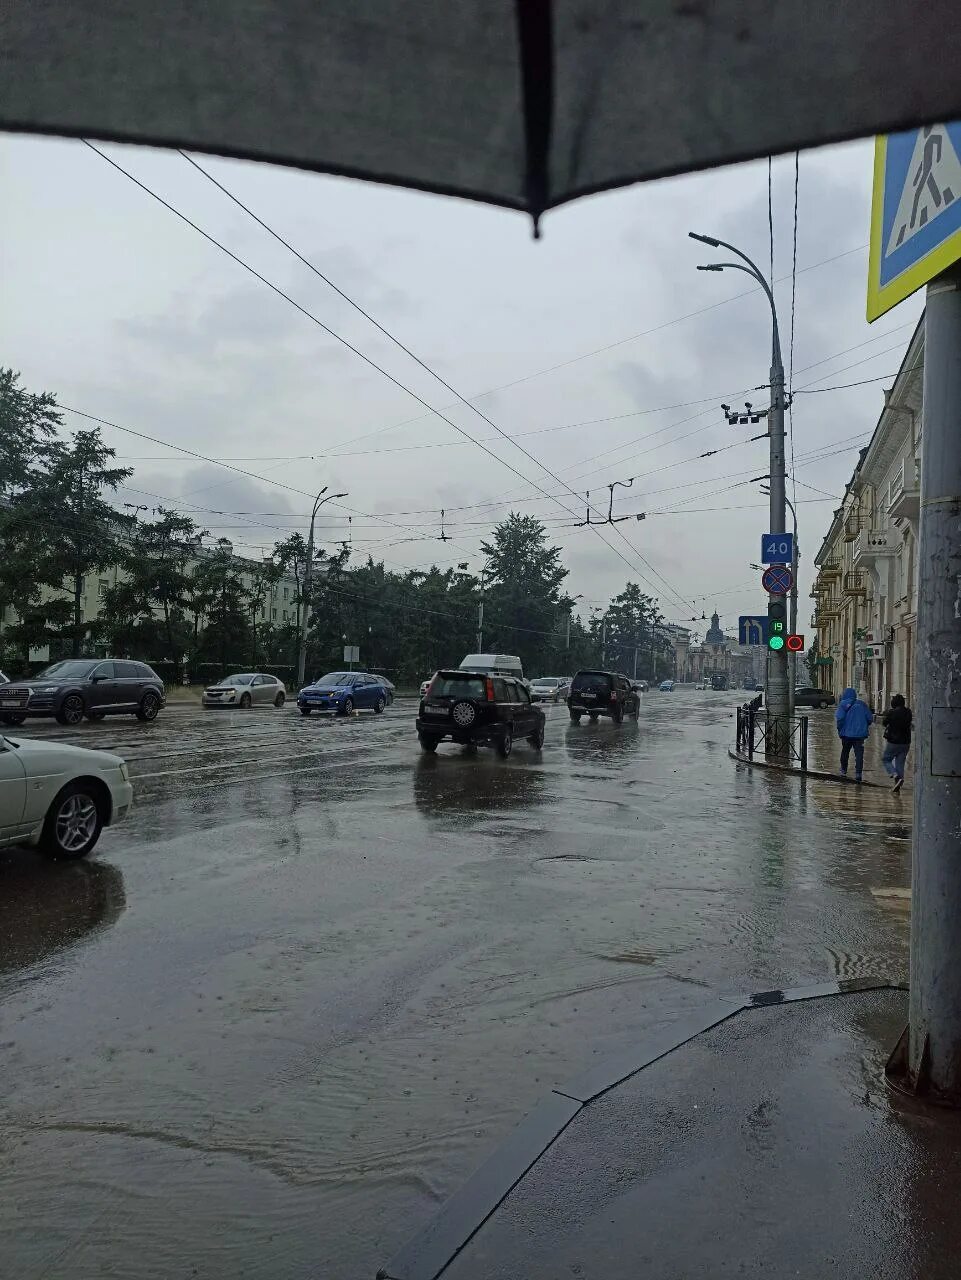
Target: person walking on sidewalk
x=853, y=718
x=897, y=733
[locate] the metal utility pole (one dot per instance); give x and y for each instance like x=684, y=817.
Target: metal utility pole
x=777, y=691
x=604, y=643
x=792, y=614
x=934, y=1037
x=480, y=626
x=308, y=582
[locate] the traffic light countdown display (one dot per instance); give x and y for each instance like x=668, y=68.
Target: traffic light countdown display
x=777, y=632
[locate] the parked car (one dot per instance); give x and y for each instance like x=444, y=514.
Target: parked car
x=478, y=710
x=602, y=693
x=549, y=688
x=504, y=664
x=667, y=686
x=807, y=696
x=245, y=690
x=640, y=686
x=91, y=687
x=343, y=692
x=59, y=796
x=701, y=684
x=425, y=685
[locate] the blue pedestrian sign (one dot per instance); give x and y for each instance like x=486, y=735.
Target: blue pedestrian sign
x=777, y=548
x=752, y=630
x=915, y=212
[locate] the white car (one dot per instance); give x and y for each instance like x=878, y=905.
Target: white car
x=549, y=688
x=58, y=796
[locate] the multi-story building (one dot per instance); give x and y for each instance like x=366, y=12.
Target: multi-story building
x=278, y=605
x=865, y=592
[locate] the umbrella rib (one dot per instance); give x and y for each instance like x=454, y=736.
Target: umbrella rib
x=535, y=35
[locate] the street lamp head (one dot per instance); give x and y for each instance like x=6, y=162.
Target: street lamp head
x=340, y=495
x=710, y=266
x=715, y=244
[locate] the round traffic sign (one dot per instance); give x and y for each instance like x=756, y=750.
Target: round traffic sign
x=777, y=579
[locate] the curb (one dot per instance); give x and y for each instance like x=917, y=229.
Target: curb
x=839, y=778
x=428, y=1254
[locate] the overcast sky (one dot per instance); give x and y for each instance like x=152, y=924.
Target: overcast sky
x=125, y=313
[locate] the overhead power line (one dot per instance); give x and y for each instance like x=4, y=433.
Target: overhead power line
x=390, y=377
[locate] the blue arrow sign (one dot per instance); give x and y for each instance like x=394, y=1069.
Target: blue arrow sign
x=777, y=548
x=752, y=630
x=915, y=212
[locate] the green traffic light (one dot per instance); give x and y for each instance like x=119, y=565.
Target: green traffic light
x=776, y=642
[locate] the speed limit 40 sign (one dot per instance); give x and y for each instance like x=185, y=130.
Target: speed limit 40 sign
x=777, y=548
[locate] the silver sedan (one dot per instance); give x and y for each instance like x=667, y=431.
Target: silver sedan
x=245, y=690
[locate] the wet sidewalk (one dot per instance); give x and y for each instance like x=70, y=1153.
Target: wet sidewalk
x=767, y=1145
x=824, y=752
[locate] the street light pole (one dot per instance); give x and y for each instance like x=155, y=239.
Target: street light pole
x=777, y=692
x=308, y=582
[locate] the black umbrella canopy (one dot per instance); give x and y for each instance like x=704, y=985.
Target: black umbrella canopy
x=522, y=103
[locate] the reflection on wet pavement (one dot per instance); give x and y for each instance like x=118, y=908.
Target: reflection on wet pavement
x=345, y=969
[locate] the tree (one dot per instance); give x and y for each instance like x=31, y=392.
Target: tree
x=156, y=579
x=524, y=603
x=218, y=595
x=631, y=620
x=28, y=423
x=62, y=521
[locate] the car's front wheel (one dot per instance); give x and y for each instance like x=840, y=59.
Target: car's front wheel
x=505, y=744
x=348, y=707
x=73, y=823
x=245, y=700
x=71, y=710
x=149, y=706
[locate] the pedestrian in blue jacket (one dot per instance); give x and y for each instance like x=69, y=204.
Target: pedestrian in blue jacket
x=853, y=718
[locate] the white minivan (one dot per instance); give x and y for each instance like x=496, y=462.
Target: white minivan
x=494, y=664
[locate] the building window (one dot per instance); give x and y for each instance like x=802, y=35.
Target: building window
x=286, y=618
x=273, y=614
x=285, y=598
x=102, y=588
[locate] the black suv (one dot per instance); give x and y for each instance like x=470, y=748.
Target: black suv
x=602, y=693
x=473, y=708
x=91, y=687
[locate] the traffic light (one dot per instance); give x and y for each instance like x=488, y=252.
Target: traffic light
x=795, y=644
x=776, y=624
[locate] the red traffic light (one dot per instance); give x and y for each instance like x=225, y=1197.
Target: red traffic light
x=795, y=644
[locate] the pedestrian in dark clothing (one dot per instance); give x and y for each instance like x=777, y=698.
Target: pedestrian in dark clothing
x=853, y=718
x=897, y=733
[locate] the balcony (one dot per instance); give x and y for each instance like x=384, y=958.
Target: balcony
x=855, y=583
x=853, y=524
x=904, y=494
x=830, y=569
x=871, y=545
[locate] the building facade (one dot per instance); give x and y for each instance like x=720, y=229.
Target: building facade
x=720, y=654
x=865, y=592
x=278, y=605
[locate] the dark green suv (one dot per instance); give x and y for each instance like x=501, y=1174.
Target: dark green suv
x=477, y=709
x=602, y=693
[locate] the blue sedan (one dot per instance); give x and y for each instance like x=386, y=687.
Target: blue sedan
x=343, y=692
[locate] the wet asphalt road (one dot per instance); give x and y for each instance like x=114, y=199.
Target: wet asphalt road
x=316, y=977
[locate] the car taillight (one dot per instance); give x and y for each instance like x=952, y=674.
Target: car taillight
x=489, y=686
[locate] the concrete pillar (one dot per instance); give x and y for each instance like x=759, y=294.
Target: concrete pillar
x=934, y=1040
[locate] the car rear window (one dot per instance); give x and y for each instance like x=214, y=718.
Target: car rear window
x=457, y=687
x=592, y=681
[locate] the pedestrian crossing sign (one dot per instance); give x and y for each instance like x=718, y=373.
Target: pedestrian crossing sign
x=915, y=212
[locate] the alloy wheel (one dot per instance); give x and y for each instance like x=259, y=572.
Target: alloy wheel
x=76, y=822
